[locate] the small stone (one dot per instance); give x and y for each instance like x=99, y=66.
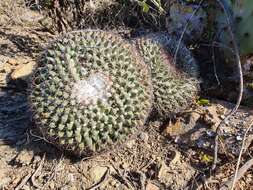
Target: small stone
x=174, y=129
x=36, y=159
x=71, y=177
x=125, y=165
x=72, y=188
x=12, y=61
x=51, y=185
x=113, y=183
x=130, y=143
x=97, y=172
x=201, y=143
x=144, y=137
x=222, y=116
x=163, y=170
x=23, y=71
x=212, y=117
x=177, y=140
x=30, y=16
x=210, y=133
x=194, y=117
x=26, y=187
x=239, y=138
x=151, y=186
x=24, y=157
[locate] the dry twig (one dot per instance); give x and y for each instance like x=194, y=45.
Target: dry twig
x=36, y=172
x=239, y=172
x=183, y=32
x=53, y=172
x=23, y=182
x=238, y=102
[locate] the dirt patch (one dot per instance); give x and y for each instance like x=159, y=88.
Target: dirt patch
x=171, y=155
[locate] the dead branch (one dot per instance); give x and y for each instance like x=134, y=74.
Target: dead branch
x=183, y=32
x=53, y=173
x=36, y=172
x=237, y=176
x=24, y=181
x=240, y=174
x=238, y=102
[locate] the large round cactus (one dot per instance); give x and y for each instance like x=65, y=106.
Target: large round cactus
x=174, y=91
x=90, y=90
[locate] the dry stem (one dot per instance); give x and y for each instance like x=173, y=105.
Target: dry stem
x=239, y=174
x=183, y=32
x=238, y=102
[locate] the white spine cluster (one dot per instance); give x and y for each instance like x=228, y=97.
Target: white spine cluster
x=93, y=89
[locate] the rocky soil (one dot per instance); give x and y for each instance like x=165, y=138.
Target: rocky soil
x=175, y=154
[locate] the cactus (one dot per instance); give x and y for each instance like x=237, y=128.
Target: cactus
x=240, y=14
x=243, y=13
x=183, y=61
x=90, y=91
x=174, y=91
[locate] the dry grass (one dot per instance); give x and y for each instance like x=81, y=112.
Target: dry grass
x=10, y=12
x=105, y=14
x=15, y=13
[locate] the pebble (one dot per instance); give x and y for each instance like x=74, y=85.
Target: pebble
x=51, y=185
x=12, y=61
x=210, y=133
x=36, y=159
x=239, y=138
x=23, y=71
x=130, y=143
x=151, y=186
x=24, y=157
x=97, y=172
x=144, y=137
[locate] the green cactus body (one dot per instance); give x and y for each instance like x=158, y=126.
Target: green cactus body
x=241, y=19
x=173, y=91
x=243, y=12
x=90, y=90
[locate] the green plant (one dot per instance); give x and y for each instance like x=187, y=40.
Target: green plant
x=240, y=16
x=181, y=56
x=243, y=13
x=174, y=91
x=90, y=91
x=146, y=5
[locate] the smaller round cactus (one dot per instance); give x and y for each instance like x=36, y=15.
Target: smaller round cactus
x=90, y=91
x=174, y=91
x=181, y=56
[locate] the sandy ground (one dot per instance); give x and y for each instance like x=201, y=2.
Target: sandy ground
x=171, y=155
